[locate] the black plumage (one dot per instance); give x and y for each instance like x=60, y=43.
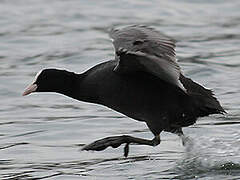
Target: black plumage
x=144, y=82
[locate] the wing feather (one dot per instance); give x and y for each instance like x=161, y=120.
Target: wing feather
x=141, y=48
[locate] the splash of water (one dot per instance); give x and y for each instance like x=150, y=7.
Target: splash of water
x=209, y=156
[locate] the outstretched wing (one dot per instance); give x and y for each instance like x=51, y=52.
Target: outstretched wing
x=140, y=48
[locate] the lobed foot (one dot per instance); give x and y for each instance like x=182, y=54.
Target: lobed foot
x=116, y=141
x=99, y=145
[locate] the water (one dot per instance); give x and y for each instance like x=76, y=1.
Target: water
x=41, y=135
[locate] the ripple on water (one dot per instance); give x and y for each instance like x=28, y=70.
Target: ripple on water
x=41, y=135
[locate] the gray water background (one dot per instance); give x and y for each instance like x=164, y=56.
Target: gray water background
x=41, y=135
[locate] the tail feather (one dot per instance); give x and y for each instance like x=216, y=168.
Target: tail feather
x=203, y=98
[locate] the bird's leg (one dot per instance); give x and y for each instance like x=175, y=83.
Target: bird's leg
x=184, y=138
x=116, y=141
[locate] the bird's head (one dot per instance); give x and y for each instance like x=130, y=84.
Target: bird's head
x=51, y=80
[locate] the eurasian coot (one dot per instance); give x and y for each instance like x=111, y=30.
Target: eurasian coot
x=143, y=82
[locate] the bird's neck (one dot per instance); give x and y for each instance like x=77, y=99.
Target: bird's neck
x=80, y=89
x=67, y=85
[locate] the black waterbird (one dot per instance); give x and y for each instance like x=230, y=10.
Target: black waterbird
x=143, y=82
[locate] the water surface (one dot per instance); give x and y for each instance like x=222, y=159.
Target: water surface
x=42, y=134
